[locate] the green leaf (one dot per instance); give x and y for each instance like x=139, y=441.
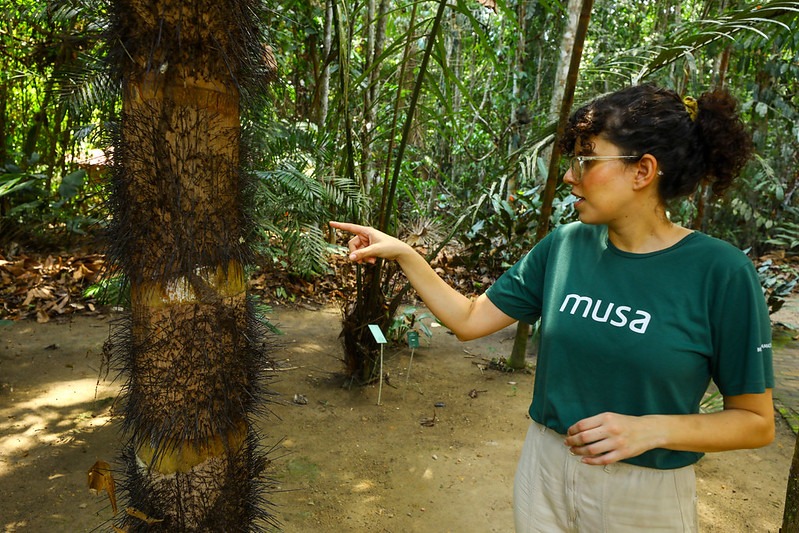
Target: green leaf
x=71, y=184
x=12, y=185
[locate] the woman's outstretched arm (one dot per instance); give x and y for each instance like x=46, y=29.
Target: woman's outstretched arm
x=468, y=319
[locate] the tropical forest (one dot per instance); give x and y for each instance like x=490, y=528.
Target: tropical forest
x=186, y=343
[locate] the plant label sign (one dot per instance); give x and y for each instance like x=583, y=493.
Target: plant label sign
x=377, y=334
x=413, y=339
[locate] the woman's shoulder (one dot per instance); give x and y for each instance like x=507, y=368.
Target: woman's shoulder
x=580, y=231
x=716, y=251
x=716, y=245
x=573, y=237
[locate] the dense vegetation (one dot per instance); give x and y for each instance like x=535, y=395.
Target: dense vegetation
x=382, y=112
x=333, y=137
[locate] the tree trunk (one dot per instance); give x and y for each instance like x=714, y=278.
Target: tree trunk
x=519, y=350
x=367, y=127
x=370, y=305
x=574, y=37
x=790, y=516
x=328, y=45
x=191, y=348
x=3, y=122
x=564, y=58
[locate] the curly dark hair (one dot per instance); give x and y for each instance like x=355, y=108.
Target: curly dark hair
x=712, y=147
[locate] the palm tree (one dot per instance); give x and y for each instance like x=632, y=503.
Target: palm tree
x=192, y=345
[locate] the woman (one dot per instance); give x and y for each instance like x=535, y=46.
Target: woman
x=638, y=314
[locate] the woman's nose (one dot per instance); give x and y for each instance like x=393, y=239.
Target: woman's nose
x=569, y=178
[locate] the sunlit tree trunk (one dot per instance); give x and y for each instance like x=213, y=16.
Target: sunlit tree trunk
x=564, y=58
x=328, y=45
x=192, y=350
x=562, y=84
x=368, y=123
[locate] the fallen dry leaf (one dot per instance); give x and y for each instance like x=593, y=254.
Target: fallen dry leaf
x=42, y=317
x=101, y=479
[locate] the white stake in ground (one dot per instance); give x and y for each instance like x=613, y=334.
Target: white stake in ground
x=381, y=340
x=413, y=342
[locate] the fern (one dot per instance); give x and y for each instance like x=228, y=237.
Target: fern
x=296, y=196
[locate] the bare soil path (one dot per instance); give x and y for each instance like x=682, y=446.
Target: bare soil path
x=343, y=463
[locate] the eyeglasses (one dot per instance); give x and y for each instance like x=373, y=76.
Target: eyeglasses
x=577, y=163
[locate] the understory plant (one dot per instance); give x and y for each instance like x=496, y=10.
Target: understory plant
x=296, y=196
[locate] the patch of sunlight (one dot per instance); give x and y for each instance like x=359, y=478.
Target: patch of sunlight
x=63, y=394
x=308, y=346
x=13, y=526
x=363, y=486
x=52, y=417
x=37, y=428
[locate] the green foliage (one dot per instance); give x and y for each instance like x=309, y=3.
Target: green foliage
x=296, y=196
x=36, y=207
x=467, y=156
x=23, y=190
x=262, y=312
x=505, y=221
x=44, y=194
x=113, y=290
x=785, y=234
x=472, y=117
x=406, y=320
x=712, y=402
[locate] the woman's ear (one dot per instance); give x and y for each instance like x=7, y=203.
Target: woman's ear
x=647, y=171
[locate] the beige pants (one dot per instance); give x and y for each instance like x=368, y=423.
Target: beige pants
x=555, y=492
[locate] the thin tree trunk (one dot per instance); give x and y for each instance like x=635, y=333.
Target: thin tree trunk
x=367, y=165
x=343, y=39
x=701, y=194
x=563, y=94
x=3, y=123
x=553, y=174
x=564, y=58
x=404, y=67
x=370, y=306
x=328, y=44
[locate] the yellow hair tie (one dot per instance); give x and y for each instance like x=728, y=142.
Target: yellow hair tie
x=691, y=106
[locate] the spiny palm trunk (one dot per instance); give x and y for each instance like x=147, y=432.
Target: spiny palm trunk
x=192, y=349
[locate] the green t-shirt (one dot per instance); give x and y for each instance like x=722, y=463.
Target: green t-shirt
x=638, y=334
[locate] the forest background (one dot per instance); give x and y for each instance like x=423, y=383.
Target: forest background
x=332, y=136
x=431, y=120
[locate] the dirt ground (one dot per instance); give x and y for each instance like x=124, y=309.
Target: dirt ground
x=430, y=458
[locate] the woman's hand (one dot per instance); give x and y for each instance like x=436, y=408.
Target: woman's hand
x=368, y=243
x=747, y=421
x=610, y=437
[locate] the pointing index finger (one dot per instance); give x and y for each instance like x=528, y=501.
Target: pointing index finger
x=346, y=226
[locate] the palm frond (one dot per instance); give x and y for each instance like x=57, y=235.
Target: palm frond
x=296, y=195
x=755, y=18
